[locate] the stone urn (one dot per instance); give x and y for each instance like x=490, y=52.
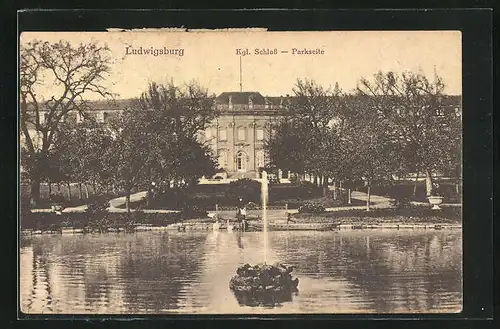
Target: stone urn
x=435, y=201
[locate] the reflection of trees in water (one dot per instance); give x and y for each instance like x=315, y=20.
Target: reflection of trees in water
x=151, y=266
x=405, y=271
x=412, y=271
x=116, y=273
x=97, y=287
x=41, y=276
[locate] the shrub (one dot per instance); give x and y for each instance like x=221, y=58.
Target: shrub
x=193, y=211
x=294, y=179
x=25, y=208
x=401, y=202
x=273, y=180
x=98, y=217
x=342, y=196
x=311, y=208
x=307, y=184
x=245, y=188
x=157, y=219
x=139, y=216
x=57, y=198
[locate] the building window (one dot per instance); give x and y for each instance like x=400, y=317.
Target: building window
x=241, y=160
x=259, y=159
x=223, y=159
x=223, y=134
x=260, y=134
x=241, y=134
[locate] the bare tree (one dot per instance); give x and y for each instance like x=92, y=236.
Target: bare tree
x=71, y=72
x=414, y=108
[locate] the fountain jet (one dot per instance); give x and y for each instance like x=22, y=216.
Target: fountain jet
x=264, y=195
x=264, y=284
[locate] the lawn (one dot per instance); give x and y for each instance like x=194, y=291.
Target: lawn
x=410, y=215
x=60, y=192
x=226, y=196
x=404, y=189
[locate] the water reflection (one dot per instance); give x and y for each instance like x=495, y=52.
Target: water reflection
x=339, y=272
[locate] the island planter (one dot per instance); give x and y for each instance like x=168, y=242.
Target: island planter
x=435, y=201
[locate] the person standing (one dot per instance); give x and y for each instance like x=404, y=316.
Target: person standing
x=244, y=223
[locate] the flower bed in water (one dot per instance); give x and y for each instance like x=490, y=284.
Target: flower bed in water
x=263, y=285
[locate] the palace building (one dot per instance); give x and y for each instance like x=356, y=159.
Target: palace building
x=237, y=135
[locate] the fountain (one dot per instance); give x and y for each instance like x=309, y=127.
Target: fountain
x=263, y=284
x=264, y=192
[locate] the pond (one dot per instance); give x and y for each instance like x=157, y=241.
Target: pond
x=361, y=271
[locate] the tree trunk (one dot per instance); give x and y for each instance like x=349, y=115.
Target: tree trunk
x=429, y=184
x=69, y=192
x=35, y=191
x=94, y=187
x=349, y=196
x=149, y=197
x=415, y=185
x=315, y=180
x=86, y=190
x=368, y=198
x=335, y=190
x=127, y=202
x=80, y=191
x=58, y=188
x=50, y=188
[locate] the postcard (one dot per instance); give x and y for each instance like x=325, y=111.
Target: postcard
x=240, y=172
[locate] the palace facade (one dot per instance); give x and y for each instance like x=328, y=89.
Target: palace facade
x=236, y=137
x=238, y=134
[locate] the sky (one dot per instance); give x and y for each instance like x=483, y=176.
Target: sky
x=211, y=58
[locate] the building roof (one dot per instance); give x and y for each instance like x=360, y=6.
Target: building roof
x=241, y=97
x=237, y=98
x=100, y=105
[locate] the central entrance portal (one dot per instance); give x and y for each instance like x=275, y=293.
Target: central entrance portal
x=241, y=161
